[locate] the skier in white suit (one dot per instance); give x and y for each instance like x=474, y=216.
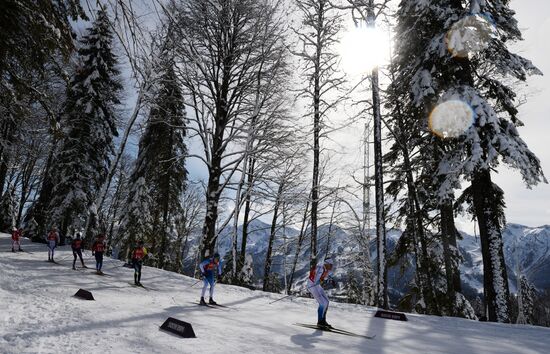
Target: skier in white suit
x=317, y=276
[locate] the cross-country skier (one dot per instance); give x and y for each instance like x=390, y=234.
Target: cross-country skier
x=317, y=276
x=16, y=239
x=52, y=239
x=139, y=253
x=210, y=267
x=97, y=249
x=76, y=246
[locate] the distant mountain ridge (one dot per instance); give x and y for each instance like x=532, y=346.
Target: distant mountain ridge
x=531, y=243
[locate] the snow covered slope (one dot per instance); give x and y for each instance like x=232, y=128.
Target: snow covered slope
x=39, y=315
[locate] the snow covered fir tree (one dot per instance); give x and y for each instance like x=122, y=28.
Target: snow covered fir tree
x=158, y=180
x=81, y=161
x=303, y=171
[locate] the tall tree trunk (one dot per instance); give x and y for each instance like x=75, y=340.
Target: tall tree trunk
x=212, y=200
x=495, y=280
x=382, y=272
x=38, y=209
x=164, y=227
x=8, y=128
x=452, y=273
x=28, y=171
x=247, y=208
x=267, y=268
x=298, y=248
x=416, y=227
x=316, y=131
x=329, y=234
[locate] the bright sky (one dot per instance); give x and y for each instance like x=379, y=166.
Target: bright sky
x=532, y=207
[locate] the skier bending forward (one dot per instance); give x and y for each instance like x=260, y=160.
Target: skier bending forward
x=208, y=270
x=316, y=276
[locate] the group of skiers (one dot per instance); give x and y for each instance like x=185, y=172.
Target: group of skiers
x=98, y=249
x=211, y=268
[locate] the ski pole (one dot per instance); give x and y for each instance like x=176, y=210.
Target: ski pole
x=272, y=302
x=195, y=283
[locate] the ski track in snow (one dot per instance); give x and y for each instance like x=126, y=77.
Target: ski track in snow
x=38, y=314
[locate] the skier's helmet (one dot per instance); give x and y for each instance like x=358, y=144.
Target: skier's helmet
x=329, y=262
x=216, y=255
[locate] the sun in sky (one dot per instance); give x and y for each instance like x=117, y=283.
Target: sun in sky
x=363, y=48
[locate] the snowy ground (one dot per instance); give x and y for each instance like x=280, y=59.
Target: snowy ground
x=39, y=315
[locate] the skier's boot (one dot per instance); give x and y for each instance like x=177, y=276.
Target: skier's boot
x=212, y=302
x=12, y=250
x=326, y=323
x=202, y=302
x=323, y=324
x=74, y=268
x=135, y=279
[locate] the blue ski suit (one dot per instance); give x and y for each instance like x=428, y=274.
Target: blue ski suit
x=209, y=268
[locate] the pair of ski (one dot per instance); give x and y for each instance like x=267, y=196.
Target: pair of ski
x=212, y=306
x=81, y=269
x=334, y=330
x=54, y=262
x=139, y=286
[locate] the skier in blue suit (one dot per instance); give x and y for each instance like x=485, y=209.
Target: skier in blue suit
x=210, y=267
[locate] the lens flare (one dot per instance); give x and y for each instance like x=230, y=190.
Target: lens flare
x=469, y=35
x=451, y=119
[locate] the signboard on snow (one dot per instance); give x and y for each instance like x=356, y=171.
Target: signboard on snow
x=398, y=316
x=179, y=328
x=84, y=294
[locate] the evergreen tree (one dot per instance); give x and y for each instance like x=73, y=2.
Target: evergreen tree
x=158, y=179
x=528, y=297
x=493, y=138
x=352, y=289
x=34, y=37
x=433, y=73
x=7, y=210
x=31, y=31
x=414, y=156
x=82, y=159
